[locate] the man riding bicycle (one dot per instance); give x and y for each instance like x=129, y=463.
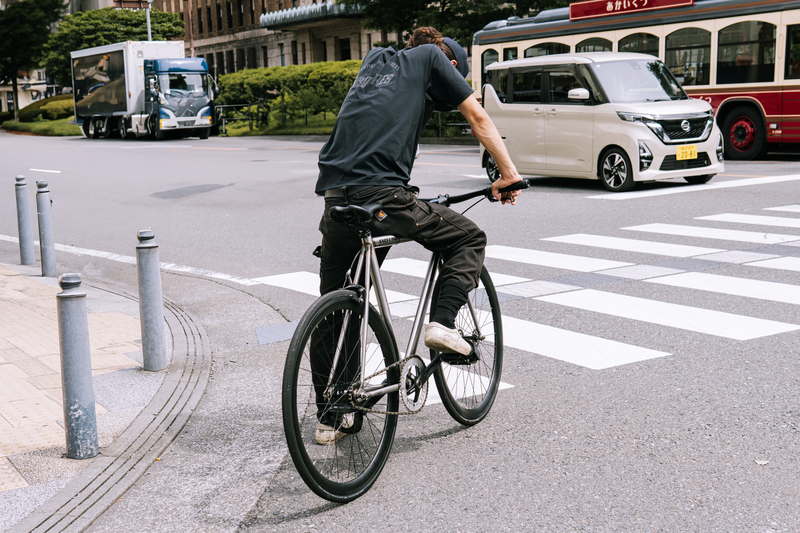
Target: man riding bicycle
x=369, y=158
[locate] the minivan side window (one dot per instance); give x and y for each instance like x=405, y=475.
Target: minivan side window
x=594, y=87
x=561, y=83
x=527, y=86
x=500, y=84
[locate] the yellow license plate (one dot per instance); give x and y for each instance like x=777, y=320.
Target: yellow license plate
x=686, y=152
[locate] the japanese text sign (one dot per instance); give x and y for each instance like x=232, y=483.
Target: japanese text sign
x=604, y=8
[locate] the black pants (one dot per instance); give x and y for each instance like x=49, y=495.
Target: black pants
x=437, y=228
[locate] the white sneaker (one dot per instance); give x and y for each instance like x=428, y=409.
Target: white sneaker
x=445, y=340
x=328, y=435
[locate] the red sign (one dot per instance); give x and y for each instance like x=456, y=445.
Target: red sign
x=131, y=4
x=605, y=8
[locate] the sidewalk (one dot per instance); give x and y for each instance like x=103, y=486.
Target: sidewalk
x=32, y=440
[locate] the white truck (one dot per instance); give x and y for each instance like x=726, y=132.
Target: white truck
x=135, y=89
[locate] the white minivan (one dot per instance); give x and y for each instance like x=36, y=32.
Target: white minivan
x=616, y=117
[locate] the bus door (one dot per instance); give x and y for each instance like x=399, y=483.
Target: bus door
x=791, y=88
x=525, y=127
x=569, y=124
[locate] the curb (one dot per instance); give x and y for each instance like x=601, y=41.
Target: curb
x=93, y=491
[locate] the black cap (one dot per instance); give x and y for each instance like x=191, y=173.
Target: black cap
x=461, y=56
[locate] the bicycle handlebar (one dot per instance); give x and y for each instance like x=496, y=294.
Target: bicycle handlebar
x=447, y=200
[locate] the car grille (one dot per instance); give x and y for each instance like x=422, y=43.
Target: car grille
x=671, y=162
x=675, y=132
x=186, y=122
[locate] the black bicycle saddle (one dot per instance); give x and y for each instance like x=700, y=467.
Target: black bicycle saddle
x=354, y=215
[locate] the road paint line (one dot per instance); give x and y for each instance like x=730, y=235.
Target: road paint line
x=476, y=176
x=449, y=165
x=759, y=220
x=780, y=263
x=308, y=283
x=43, y=170
x=220, y=149
x=684, y=317
x=418, y=269
x=788, y=208
x=715, y=233
x=697, y=188
x=550, y=259
x=749, y=288
x=633, y=245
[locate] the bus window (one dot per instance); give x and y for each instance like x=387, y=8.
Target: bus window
x=528, y=86
x=746, y=53
x=645, y=43
x=487, y=58
x=595, y=44
x=792, y=52
x=688, y=55
x=509, y=54
x=500, y=84
x=546, y=49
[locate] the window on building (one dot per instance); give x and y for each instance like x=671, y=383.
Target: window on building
x=294, y=3
x=230, y=15
x=280, y=5
x=241, y=13
x=303, y=54
x=283, y=58
x=200, y=20
x=546, y=49
x=688, y=55
x=294, y=53
x=369, y=42
x=230, y=65
x=219, y=17
x=264, y=56
x=746, y=53
x=510, y=54
x=644, y=43
x=252, y=11
x=792, y=52
x=208, y=17
x=593, y=44
x=487, y=58
x=240, y=59
x=527, y=86
x=181, y=17
x=344, y=49
x=9, y=102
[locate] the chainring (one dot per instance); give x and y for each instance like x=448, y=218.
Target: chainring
x=413, y=397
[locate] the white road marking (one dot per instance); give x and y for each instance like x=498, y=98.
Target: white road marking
x=696, y=188
x=788, y=208
x=633, y=245
x=750, y=288
x=42, y=170
x=418, y=269
x=714, y=233
x=672, y=315
x=308, y=283
x=782, y=222
x=476, y=176
x=550, y=259
x=780, y=263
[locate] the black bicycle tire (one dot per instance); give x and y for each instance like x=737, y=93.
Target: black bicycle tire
x=473, y=415
x=316, y=481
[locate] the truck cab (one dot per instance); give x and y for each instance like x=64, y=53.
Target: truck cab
x=178, y=96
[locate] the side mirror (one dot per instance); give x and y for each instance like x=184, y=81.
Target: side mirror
x=579, y=94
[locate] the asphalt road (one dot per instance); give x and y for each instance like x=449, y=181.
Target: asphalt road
x=657, y=392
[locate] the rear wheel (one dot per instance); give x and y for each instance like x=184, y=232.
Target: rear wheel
x=744, y=134
x=468, y=391
x=615, y=171
x=343, y=469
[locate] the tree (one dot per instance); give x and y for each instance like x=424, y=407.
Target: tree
x=100, y=27
x=24, y=30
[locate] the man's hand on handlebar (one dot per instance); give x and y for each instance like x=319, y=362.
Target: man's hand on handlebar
x=503, y=182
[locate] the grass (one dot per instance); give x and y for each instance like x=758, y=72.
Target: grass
x=52, y=128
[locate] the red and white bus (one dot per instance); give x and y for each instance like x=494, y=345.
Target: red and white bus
x=742, y=56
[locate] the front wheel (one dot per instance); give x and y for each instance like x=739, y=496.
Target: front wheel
x=615, y=171
x=491, y=169
x=155, y=130
x=353, y=453
x=468, y=391
x=202, y=133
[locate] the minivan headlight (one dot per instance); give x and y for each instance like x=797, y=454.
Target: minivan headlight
x=647, y=120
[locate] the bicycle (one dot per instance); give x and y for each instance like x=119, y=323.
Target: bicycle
x=358, y=378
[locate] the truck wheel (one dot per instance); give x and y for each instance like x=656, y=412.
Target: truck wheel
x=85, y=128
x=94, y=128
x=744, y=134
x=203, y=133
x=155, y=131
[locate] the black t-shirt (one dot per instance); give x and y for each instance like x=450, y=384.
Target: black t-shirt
x=375, y=136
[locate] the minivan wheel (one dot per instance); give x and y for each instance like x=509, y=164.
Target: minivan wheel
x=491, y=169
x=615, y=171
x=697, y=180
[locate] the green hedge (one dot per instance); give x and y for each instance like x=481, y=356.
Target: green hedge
x=60, y=127
x=53, y=108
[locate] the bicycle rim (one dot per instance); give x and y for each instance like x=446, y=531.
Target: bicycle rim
x=343, y=470
x=468, y=391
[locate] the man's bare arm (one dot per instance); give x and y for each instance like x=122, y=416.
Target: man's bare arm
x=487, y=134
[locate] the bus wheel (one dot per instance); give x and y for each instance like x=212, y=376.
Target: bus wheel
x=744, y=134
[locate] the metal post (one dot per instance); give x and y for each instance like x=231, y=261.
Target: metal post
x=47, y=246
x=151, y=307
x=80, y=419
x=147, y=11
x=26, y=255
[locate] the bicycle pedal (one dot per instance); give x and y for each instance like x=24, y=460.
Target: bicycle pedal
x=460, y=359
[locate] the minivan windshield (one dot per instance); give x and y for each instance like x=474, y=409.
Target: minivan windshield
x=638, y=80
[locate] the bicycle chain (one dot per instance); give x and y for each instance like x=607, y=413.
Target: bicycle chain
x=379, y=372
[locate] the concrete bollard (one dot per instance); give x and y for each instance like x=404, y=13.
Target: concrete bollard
x=80, y=419
x=47, y=245
x=151, y=306
x=26, y=254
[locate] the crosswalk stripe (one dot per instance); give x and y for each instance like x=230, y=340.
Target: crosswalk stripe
x=697, y=188
x=668, y=314
x=779, y=263
x=572, y=347
x=715, y=233
x=418, y=269
x=308, y=283
x=634, y=245
x=788, y=208
x=550, y=259
x=761, y=220
x=750, y=288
